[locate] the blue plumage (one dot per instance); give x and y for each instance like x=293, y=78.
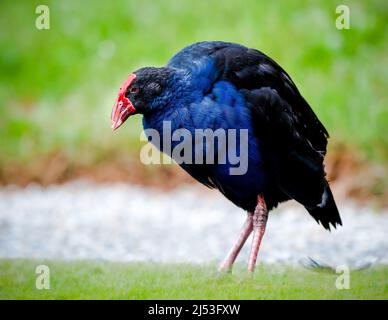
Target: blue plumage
x=223, y=107
x=219, y=85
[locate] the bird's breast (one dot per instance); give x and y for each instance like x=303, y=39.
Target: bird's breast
x=218, y=136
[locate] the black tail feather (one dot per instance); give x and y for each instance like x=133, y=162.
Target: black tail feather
x=326, y=213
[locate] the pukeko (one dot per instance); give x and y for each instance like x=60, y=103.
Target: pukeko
x=221, y=85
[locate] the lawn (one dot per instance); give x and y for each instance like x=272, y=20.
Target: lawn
x=107, y=280
x=57, y=86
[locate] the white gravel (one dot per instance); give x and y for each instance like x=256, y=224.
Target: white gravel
x=121, y=222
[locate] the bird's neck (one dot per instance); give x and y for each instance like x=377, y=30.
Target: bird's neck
x=173, y=108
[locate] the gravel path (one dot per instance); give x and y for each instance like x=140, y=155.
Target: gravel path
x=126, y=223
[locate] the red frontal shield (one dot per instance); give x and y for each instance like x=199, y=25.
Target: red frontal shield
x=123, y=107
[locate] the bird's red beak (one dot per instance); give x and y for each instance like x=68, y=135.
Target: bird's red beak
x=123, y=107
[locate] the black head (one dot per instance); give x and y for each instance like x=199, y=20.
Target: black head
x=140, y=93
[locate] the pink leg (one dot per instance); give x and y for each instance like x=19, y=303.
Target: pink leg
x=259, y=222
x=226, y=265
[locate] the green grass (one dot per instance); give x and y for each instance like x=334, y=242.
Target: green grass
x=106, y=280
x=57, y=86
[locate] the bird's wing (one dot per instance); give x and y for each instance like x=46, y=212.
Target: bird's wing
x=251, y=70
x=293, y=138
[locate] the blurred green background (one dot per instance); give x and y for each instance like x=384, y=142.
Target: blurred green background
x=57, y=86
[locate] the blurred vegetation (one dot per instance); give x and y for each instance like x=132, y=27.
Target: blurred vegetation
x=106, y=280
x=57, y=86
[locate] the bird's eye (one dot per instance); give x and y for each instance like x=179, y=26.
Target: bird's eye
x=134, y=90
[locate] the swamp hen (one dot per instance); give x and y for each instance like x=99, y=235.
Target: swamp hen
x=226, y=86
